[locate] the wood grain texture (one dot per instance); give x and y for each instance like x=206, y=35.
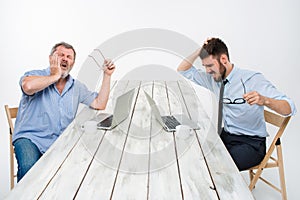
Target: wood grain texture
x=138, y=159
x=227, y=180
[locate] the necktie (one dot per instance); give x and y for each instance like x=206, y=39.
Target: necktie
x=220, y=113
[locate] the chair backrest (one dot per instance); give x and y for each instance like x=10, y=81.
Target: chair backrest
x=270, y=162
x=11, y=114
x=278, y=121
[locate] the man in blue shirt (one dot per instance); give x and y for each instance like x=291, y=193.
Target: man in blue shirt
x=245, y=95
x=49, y=103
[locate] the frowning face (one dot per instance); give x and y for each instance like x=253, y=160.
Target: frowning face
x=66, y=59
x=214, y=67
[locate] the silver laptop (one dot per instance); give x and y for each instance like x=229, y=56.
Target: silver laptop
x=120, y=113
x=169, y=122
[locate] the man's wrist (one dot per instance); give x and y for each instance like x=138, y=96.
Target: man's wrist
x=54, y=77
x=106, y=77
x=266, y=101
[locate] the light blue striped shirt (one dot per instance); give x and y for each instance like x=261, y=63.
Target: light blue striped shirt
x=241, y=119
x=43, y=116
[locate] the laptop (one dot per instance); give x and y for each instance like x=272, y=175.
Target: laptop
x=120, y=113
x=169, y=122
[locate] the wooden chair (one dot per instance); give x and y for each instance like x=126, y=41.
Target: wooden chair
x=280, y=122
x=11, y=114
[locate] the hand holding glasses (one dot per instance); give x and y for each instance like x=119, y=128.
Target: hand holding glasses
x=237, y=100
x=108, y=64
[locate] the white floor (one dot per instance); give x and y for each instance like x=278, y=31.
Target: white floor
x=264, y=192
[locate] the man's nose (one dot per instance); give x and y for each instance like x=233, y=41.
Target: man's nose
x=64, y=58
x=208, y=70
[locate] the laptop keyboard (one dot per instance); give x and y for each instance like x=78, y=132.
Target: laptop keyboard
x=170, y=121
x=106, y=122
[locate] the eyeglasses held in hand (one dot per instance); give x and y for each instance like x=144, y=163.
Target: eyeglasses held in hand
x=100, y=66
x=237, y=100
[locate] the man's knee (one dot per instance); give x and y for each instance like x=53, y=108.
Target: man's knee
x=245, y=156
x=27, y=154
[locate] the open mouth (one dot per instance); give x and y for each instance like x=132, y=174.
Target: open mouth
x=64, y=65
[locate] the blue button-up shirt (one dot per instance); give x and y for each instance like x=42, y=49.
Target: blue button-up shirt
x=43, y=116
x=241, y=119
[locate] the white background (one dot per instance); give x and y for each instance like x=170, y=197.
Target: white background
x=261, y=35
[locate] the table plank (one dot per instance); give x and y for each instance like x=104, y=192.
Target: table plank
x=229, y=183
x=39, y=176
x=164, y=182
x=133, y=172
x=104, y=170
x=77, y=163
x=73, y=170
x=138, y=159
x=195, y=178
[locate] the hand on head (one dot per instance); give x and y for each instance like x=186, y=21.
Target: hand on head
x=55, y=68
x=207, y=40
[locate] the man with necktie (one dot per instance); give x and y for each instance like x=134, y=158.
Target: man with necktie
x=242, y=96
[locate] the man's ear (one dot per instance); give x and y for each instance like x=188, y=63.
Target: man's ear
x=224, y=59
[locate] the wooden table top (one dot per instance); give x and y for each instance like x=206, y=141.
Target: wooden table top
x=138, y=159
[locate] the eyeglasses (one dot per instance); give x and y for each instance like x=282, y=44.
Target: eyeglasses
x=237, y=100
x=98, y=50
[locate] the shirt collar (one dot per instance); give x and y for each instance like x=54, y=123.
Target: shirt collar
x=231, y=75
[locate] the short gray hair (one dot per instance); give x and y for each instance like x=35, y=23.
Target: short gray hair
x=64, y=44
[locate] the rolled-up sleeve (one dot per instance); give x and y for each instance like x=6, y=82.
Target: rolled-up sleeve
x=266, y=88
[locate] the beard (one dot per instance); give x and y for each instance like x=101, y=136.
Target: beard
x=64, y=75
x=222, y=71
x=65, y=71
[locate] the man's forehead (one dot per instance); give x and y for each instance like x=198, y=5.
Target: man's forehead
x=64, y=50
x=208, y=60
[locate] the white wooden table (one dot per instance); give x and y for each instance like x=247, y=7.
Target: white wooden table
x=137, y=159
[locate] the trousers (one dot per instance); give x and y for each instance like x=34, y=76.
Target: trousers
x=27, y=154
x=246, y=151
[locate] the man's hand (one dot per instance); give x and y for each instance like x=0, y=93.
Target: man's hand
x=254, y=98
x=55, y=69
x=280, y=106
x=33, y=84
x=108, y=67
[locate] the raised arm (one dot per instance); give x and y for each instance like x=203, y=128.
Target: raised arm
x=187, y=63
x=100, y=101
x=33, y=84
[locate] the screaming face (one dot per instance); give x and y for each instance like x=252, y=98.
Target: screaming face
x=214, y=67
x=65, y=60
